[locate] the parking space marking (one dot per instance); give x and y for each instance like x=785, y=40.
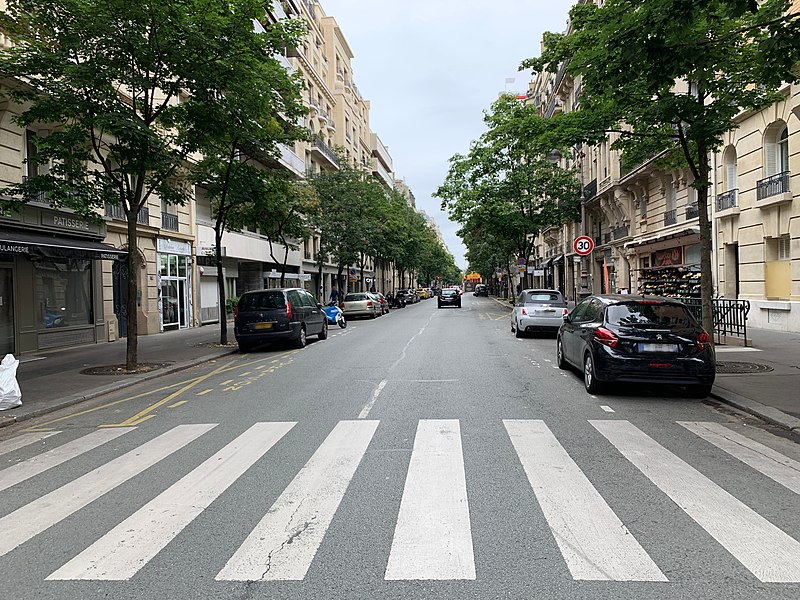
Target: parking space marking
x=608, y=409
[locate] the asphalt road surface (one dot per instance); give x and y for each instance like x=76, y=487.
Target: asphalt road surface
x=424, y=454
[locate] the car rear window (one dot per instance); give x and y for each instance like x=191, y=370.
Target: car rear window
x=448, y=292
x=354, y=297
x=543, y=298
x=637, y=314
x=262, y=301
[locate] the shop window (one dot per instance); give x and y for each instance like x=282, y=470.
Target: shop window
x=63, y=289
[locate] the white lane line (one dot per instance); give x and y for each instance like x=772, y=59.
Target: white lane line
x=44, y=512
x=766, y=551
x=52, y=458
x=762, y=458
x=718, y=349
x=124, y=550
x=23, y=440
x=284, y=543
x=433, y=538
x=608, y=409
x=595, y=544
x=365, y=411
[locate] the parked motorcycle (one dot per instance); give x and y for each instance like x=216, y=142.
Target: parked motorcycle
x=335, y=315
x=395, y=300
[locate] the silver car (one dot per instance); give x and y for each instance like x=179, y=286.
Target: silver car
x=538, y=310
x=361, y=304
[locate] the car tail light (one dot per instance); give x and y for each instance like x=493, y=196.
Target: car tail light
x=235, y=311
x=565, y=312
x=341, y=306
x=369, y=303
x=524, y=312
x=606, y=337
x=288, y=310
x=703, y=340
x=649, y=302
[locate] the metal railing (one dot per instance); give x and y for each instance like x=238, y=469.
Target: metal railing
x=169, y=221
x=772, y=186
x=621, y=232
x=692, y=210
x=730, y=317
x=671, y=217
x=728, y=199
x=115, y=211
x=325, y=150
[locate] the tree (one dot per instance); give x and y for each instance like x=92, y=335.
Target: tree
x=506, y=185
x=670, y=75
x=113, y=74
x=238, y=118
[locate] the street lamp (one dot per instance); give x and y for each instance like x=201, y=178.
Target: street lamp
x=584, y=292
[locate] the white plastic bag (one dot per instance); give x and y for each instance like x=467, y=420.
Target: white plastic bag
x=10, y=394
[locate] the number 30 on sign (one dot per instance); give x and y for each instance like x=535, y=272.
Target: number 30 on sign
x=583, y=245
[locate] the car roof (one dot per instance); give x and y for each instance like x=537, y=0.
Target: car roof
x=617, y=298
x=541, y=290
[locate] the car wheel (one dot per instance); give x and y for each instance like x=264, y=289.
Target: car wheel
x=245, y=347
x=517, y=332
x=440, y=306
x=701, y=390
x=300, y=342
x=590, y=375
x=324, y=333
x=458, y=305
x=560, y=360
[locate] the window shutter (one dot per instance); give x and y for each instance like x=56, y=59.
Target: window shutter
x=770, y=159
x=731, y=177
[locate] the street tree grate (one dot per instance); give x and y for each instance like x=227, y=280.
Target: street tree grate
x=742, y=367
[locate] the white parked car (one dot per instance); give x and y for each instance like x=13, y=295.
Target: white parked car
x=538, y=310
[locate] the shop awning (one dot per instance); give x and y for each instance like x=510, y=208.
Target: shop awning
x=546, y=263
x=663, y=237
x=558, y=259
x=53, y=246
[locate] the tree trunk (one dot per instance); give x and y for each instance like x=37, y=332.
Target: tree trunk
x=223, y=309
x=706, y=269
x=132, y=342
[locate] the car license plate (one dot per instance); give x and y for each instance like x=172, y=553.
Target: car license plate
x=546, y=311
x=658, y=347
x=262, y=326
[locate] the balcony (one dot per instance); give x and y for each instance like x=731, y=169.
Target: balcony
x=671, y=217
x=728, y=203
x=621, y=232
x=590, y=190
x=773, y=190
x=692, y=211
x=169, y=221
x=321, y=150
x=118, y=214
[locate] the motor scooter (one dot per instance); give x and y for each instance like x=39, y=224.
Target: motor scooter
x=335, y=315
x=395, y=300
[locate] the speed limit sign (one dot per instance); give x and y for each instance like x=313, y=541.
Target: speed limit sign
x=583, y=245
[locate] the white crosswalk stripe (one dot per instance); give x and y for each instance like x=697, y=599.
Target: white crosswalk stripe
x=773, y=464
x=121, y=553
x=766, y=551
x=594, y=542
x=284, y=543
x=32, y=519
x=58, y=455
x=433, y=539
x=26, y=439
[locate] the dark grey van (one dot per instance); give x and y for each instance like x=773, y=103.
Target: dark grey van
x=282, y=314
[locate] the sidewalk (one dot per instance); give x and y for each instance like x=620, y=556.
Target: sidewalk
x=766, y=384
x=51, y=380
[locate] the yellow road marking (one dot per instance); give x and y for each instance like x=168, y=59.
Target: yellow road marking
x=226, y=382
x=245, y=373
x=143, y=415
x=177, y=404
x=204, y=392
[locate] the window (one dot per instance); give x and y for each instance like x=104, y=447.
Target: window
x=784, y=248
x=776, y=149
x=63, y=292
x=594, y=312
x=729, y=160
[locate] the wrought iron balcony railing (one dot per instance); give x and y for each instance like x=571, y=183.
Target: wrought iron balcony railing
x=728, y=199
x=772, y=186
x=671, y=217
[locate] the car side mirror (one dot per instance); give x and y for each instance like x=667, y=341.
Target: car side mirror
x=319, y=306
x=566, y=318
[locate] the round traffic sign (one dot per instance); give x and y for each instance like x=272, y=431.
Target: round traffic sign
x=583, y=245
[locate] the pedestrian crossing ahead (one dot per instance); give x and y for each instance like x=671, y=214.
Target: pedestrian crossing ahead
x=432, y=535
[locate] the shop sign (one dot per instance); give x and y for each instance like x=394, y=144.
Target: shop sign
x=538, y=272
x=14, y=248
x=167, y=246
x=671, y=257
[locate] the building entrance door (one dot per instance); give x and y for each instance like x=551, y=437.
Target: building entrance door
x=7, y=344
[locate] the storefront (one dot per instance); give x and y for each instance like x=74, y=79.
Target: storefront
x=51, y=281
x=669, y=266
x=174, y=284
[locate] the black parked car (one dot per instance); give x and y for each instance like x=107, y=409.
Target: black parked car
x=283, y=314
x=642, y=339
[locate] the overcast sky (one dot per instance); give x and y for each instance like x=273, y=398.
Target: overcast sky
x=430, y=68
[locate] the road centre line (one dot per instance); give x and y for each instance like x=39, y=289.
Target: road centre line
x=365, y=411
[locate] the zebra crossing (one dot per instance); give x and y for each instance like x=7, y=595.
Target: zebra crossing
x=432, y=534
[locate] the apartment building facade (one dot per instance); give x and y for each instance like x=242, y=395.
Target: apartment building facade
x=645, y=221
x=63, y=279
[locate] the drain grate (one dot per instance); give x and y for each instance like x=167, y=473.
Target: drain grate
x=742, y=367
